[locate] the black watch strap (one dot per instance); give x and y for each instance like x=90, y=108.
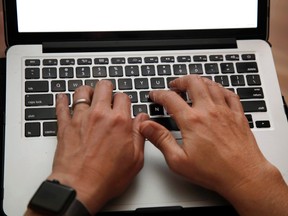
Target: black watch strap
x=77, y=209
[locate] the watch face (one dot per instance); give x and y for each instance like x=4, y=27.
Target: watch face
x=52, y=198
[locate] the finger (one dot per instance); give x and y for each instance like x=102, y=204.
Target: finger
x=62, y=112
x=83, y=93
x=162, y=139
x=122, y=103
x=137, y=136
x=233, y=101
x=195, y=87
x=171, y=101
x=216, y=91
x=103, y=94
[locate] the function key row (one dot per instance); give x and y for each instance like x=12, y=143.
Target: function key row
x=145, y=70
x=139, y=60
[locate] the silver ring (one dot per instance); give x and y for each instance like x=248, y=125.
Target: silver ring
x=81, y=100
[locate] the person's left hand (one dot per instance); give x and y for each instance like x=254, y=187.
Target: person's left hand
x=100, y=149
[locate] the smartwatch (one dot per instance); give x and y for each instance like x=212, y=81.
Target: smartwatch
x=55, y=199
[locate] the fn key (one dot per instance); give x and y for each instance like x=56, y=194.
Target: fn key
x=32, y=129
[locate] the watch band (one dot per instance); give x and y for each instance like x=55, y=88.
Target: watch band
x=55, y=199
x=77, y=209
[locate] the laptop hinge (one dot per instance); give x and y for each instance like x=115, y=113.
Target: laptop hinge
x=139, y=45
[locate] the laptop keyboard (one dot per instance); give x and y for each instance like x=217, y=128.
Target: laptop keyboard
x=135, y=76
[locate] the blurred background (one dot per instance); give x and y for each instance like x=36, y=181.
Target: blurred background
x=278, y=39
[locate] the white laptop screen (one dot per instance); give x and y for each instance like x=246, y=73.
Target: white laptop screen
x=134, y=15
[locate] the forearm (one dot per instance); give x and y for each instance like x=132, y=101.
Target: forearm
x=265, y=195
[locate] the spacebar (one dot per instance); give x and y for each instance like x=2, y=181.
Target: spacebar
x=167, y=122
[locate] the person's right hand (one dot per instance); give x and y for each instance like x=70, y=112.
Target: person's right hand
x=219, y=151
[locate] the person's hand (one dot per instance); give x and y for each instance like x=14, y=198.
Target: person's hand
x=100, y=149
x=219, y=151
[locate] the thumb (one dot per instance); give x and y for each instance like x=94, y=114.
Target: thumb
x=162, y=139
x=137, y=136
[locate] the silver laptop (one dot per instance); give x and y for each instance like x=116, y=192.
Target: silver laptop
x=57, y=45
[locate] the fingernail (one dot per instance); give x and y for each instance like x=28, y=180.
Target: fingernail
x=60, y=96
x=151, y=95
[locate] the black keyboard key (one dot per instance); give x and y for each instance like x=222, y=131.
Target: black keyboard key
x=139, y=109
x=32, y=129
x=83, y=72
x=216, y=57
x=32, y=114
x=164, y=70
x=115, y=71
x=99, y=71
x=91, y=83
x=263, y=124
x=66, y=72
x=50, y=129
x=50, y=62
x=232, y=57
x=248, y=57
x=134, y=60
x=200, y=58
x=184, y=59
x=101, y=61
x=39, y=100
x=118, y=61
x=133, y=96
x=36, y=86
x=180, y=69
x=250, y=93
x=254, y=106
x=141, y=83
x=168, y=59
x=32, y=73
x=195, y=69
x=67, y=61
x=253, y=80
x=167, y=122
x=227, y=68
x=156, y=109
x=151, y=60
x=211, y=68
x=84, y=61
x=58, y=86
x=157, y=83
x=74, y=84
x=247, y=67
x=148, y=70
x=125, y=84
x=32, y=62
x=144, y=97
x=223, y=80
x=49, y=73
x=237, y=80
x=132, y=70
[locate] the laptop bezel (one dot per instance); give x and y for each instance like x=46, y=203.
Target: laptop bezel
x=13, y=36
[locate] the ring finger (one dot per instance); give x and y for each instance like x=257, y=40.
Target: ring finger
x=82, y=99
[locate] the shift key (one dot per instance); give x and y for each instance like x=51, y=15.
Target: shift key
x=40, y=114
x=254, y=106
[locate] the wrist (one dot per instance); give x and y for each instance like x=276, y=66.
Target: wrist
x=258, y=190
x=91, y=194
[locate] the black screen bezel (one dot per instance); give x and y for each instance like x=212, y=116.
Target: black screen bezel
x=13, y=36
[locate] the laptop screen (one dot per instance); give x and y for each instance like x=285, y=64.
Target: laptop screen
x=132, y=15
x=38, y=21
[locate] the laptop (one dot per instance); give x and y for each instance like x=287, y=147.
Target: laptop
x=57, y=45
